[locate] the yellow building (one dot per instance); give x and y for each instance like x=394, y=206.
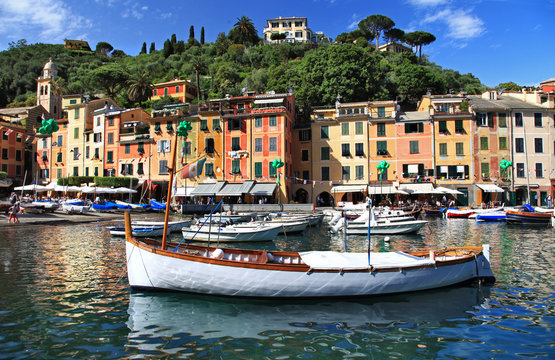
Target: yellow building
x=184, y=90
x=302, y=188
x=295, y=29
x=80, y=136
x=454, y=146
x=383, y=145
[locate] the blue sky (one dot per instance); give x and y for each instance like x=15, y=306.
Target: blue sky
x=496, y=40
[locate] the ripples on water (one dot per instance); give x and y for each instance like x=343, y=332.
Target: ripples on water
x=64, y=294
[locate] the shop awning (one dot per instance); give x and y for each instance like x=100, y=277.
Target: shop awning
x=263, y=189
x=184, y=191
x=418, y=188
x=385, y=189
x=490, y=188
x=348, y=188
x=236, y=189
x=268, y=101
x=207, y=189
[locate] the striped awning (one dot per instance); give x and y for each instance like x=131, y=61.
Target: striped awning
x=236, y=189
x=207, y=189
x=263, y=189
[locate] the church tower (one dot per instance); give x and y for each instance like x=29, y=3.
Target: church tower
x=47, y=95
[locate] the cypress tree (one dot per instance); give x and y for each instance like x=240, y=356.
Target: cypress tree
x=202, y=35
x=152, y=48
x=191, y=33
x=143, y=49
x=174, y=39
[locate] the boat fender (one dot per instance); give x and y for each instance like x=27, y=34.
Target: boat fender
x=432, y=256
x=386, y=239
x=217, y=254
x=335, y=219
x=270, y=257
x=338, y=226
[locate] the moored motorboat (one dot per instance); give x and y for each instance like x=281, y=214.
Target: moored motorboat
x=386, y=227
x=75, y=208
x=173, y=226
x=138, y=231
x=231, y=233
x=46, y=205
x=527, y=215
x=434, y=211
x=282, y=274
x=458, y=213
x=492, y=216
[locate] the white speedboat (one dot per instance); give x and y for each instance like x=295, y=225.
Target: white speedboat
x=231, y=233
x=138, y=231
x=173, y=226
x=75, y=208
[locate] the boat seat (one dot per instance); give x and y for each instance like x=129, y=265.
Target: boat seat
x=217, y=254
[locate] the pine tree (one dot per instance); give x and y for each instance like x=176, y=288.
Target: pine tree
x=152, y=48
x=202, y=35
x=174, y=40
x=143, y=49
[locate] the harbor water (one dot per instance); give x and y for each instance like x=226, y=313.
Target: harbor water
x=64, y=295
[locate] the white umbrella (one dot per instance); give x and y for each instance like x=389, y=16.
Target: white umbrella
x=449, y=191
x=88, y=190
x=105, y=190
x=31, y=187
x=123, y=190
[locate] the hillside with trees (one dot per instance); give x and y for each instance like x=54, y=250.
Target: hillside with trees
x=351, y=68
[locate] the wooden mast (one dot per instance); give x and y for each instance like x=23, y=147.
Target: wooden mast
x=171, y=168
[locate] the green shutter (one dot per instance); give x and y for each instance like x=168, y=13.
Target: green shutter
x=442, y=126
x=359, y=128
x=345, y=129
x=485, y=170
x=460, y=149
x=420, y=127
x=502, y=143
x=381, y=147
x=484, y=143
x=324, y=132
x=235, y=166
x=272, y=169
x=443, y=149
x=381, y=112
x=258, y=169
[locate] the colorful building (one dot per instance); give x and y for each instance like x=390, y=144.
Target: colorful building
x=13, y=151
x=184, y=90
x=453, y=143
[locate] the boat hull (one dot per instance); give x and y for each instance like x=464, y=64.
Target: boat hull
x=391, y=228
x=165, y=270
x=528, y=218
x=231, y=233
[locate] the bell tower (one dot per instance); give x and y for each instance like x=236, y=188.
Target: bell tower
x=47, y=94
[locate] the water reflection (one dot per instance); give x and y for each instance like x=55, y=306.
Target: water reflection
x=158, y=316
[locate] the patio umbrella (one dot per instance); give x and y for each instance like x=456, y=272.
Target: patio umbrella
x=449, y=191
x=31, y=187
x=123, y=190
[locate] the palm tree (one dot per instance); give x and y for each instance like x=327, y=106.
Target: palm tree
x=245, y=31
x=140, y=87
x=200, y=66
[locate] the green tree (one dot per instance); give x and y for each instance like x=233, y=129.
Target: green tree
x=140, y=87
x=244, y=32
x=221, y=44
x=108, y=78
x=226, y=80
x=413, y=81
x=103, y=48
x=19, y=44
x=168, y=49
x=509, y=86
x=375, y=25
x=394, y=34
x=152, y=48
x=191, y=33
x=174, y=39
x=143, y=49
x=202, y=35
x=118, y=53
x=180, y=47
x=419, y=38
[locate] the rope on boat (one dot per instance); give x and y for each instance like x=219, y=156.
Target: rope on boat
x=208, y=218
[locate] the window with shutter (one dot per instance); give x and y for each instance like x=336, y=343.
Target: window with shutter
x=359, y=128
x=324, y=153
x=414, y=147
x=359, y=169
x=345, y=129
x=345, y=150
x=235, y=166
x=271, y=170
x=484, y=143
x=346, y=172
x=258, y=169
x=381, y=147
x=460, y=148
x=381, y=129
x=443, y=149
x=324, y=132
x=359, y=149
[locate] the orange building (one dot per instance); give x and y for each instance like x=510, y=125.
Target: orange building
x=12, y=144
x=184, y=90
x=415, y=163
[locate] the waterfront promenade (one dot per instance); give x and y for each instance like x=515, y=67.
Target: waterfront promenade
x=60, y=218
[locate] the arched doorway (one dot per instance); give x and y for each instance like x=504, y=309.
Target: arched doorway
x=354, y=197
x=301, y=196
x=324, y=199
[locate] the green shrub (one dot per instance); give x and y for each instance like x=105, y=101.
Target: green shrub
x=115, y=182
x=3, y=175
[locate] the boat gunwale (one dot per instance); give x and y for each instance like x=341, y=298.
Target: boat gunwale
x=471, y=253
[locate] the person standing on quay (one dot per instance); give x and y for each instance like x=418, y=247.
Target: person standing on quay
x=14, y=211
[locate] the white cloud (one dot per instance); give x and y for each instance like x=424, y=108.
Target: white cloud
x=355, y=19
x=47, y=20
x=133, y=10
x=427, y=2
x=461, y=24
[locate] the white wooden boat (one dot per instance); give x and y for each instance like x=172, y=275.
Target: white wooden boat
x=280, y=274
x=231, y=233
x=47, y=206
x=315, y=219
x=286, y=226
x=138, y=231
x=174, y=226
x=70, y=208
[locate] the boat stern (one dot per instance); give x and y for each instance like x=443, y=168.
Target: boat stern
x=483, y=267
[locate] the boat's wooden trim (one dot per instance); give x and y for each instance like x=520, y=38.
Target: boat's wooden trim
x=529, y=214
x=258, y=259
